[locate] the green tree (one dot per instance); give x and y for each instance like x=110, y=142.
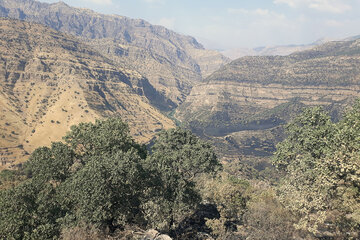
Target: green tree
x=343, y=172
x=310, y=133
x=321, y=162
x=102, y=137
x=100, y=177
x=177, y=158
x=54, y=163
x=29, y=211
x=95, y=177
x=108, y=181
x=107, y=191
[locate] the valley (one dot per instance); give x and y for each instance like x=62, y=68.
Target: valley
x=112, y=127
x=240, y=106
x=112, y=66
x=255, y=95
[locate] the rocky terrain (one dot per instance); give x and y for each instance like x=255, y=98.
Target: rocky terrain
x=50, y=81
x=173, y=63
x=243, y=106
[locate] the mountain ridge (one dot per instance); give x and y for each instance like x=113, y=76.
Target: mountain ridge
x=173, y=63
x=278, y=50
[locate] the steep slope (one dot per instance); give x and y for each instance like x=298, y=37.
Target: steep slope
x=257, y=95
x=50, y=81
x=173, y=63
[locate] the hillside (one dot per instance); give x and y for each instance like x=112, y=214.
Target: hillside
x=50, y=81
x=173, y=63
x=243, y=105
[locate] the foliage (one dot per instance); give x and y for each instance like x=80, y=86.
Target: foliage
x=265, y=216
x=230, y=196
x=107, y=190
x=10, y=178
x=29, y=211
x=103, y=137
x=46, y=164
x=321, y=162
x=184, y=152
x=247, y=209
x=178, y=158
x=100, y=177
x=308, y=134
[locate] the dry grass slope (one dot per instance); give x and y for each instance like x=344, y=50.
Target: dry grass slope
x=50, y=81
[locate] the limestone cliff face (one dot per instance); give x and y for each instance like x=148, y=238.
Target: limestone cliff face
x=255, y=94
x=50, y=81
x=173, y=63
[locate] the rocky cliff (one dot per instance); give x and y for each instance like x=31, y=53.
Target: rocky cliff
x=173, y=63
x=50, y=81
x=242, y=105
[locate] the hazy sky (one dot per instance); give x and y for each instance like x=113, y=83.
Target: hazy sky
x=224, y=24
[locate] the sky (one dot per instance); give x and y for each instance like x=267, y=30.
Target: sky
x=228, y=24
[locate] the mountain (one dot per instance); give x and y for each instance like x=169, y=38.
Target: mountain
x=352, y=38
x=243, y=106
x=281, y=50
x=50, y=81
x=173, y=63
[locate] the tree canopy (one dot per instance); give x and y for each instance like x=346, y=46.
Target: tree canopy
x=101, y=177
x=321, y=160
x=178, y=157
